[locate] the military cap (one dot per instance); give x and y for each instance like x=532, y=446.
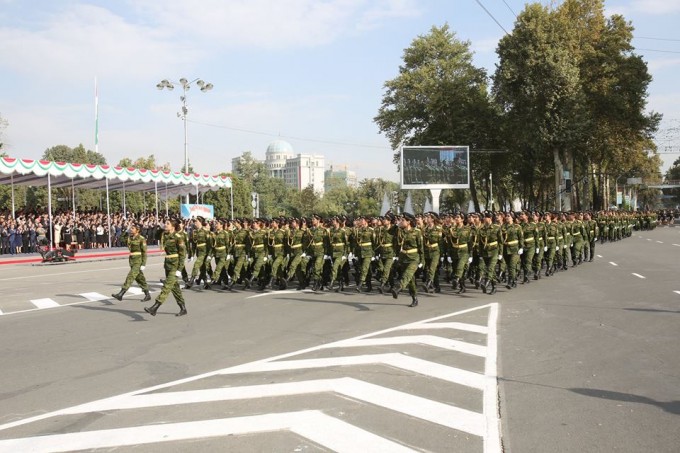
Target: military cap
x=408, y=216
x=488, y=214
x=200, y=219
x=317, y=217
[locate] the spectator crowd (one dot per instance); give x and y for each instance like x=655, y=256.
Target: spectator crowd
x=23, y=233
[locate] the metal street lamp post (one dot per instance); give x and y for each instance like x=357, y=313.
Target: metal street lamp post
x=205, y=87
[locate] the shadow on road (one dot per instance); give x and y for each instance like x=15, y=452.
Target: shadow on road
x=652, y=310
x=135, y=315
x=672, y=407
x=361, y=306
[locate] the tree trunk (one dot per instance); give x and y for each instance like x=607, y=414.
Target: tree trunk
x=558, y=179
x=473, y=192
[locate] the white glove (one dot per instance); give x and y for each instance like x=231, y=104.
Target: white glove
x=500, y=257
x=420, y=265
x=520, y=251
x=373, y=258
x=264, y=259
x=449, y=259
x=537, y=249
x=564, y=246
x=395, y=258
x=178, y=274
x=571, y=245
x=351, y=256
x=304, y=255
x=545, y=249
x=344, y=258
x=228, y=257
x=142, y=268
x=469, y=259
x=327, y=258
x=441, y=260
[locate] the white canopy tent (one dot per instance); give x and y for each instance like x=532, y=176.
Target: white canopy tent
x=84, y=176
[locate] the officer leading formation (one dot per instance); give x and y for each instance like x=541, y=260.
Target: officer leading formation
x=396, y=253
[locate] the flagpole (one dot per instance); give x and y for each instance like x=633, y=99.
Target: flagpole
x=96, y=116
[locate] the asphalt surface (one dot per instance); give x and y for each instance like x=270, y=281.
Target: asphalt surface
x=586, y=362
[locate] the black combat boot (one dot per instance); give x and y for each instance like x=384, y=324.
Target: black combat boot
x=152, y=309
x=182, y=309
x=493, y=288
x=427, y=286
x=119, y=294
x=508, y=284
x=190, y=283
x=147, y=296
x=396, y=289
x=484, y=285
x=414, y=301
x=461, y=286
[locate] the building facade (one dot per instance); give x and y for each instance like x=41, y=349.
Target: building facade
x=334, y=178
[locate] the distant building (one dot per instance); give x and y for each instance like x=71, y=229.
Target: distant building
x=339, y=178
x=298, y=171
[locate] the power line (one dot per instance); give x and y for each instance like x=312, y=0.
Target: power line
x=513, y=13
x=491, y=15
x=290, y=137
x=657, y=39
x=657, y=50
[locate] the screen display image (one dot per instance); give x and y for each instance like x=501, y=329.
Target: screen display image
x=435, y=167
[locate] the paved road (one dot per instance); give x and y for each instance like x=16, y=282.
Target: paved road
x=586, y=362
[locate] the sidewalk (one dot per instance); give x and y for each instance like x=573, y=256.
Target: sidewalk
x=81, y=255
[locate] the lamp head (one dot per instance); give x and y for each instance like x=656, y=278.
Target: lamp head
x=207, y=87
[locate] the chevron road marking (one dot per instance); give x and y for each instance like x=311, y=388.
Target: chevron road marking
x=486, y=424
x=395, y=360
x=316, y=426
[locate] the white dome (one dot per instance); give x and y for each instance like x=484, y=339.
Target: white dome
x=280, y=147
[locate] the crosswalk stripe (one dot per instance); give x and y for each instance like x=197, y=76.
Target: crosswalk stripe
x=44, y=303
x=327, y=431
x=1, y=313
x=135, y=291
x=454, y=325
x=93, y=297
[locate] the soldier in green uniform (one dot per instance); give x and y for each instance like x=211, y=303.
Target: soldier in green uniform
x=541, y=244
x=278, y=238
x=459, y=240
x=593, y=233
x=432, y=244
x=242, y=244
x=199, y=238
x=364, y=237
x=568, y=242
x=578, y=235
x=174, y=248
x=410, y=245
x=513, y=247
x=137, y=261
x=530, y=244
x=297, y=254
x=490, y=246
x=386, y=236
x=552, y=232
x=315, y=249
x=260, y=239
x=338, y=246
x=219, y=250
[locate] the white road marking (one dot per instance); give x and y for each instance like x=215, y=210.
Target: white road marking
x=599, y=256
x=638, y=275
x=1, y=313
x=486, y=425
x=275, y=293
x=676, y=292
x=23, y=277
x=677, y=245
x=648, y=239
x=135, y=291
x=44, y=303
x=93, y=297
x=613, y=264
x=454, y=325
x=327, y=431
x=659, y=242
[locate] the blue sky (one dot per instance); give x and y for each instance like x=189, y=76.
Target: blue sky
x=310, y=72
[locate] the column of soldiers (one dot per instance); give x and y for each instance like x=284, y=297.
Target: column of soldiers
x=395, y=252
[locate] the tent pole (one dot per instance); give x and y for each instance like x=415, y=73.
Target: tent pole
x=124, y=208
x=166, y=199
x=108, y=210
x=13, y=212
x=231, y=200
x=155, y=190
x=49, y=208
x=73, y=200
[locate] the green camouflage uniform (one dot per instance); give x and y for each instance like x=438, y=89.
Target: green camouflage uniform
x=137, y=246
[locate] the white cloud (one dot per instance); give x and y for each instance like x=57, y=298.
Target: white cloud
x=662, y=63
x=649, y=7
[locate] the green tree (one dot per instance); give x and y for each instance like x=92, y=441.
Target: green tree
x=438, y=98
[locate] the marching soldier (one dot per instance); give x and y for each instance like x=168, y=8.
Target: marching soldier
x=552, y=232
x=242, y=244
x=513, y=247
x=531, y=245
x=174, y=248
x=316, y=240
x=490, y=246
x=432, y=239
x=410, y=245
x=297, y=262
x=365, y=242
x=386, y=235
x=199, y=238
x=259, y=237
x=278, y=238
x=339, y=246
x=137, y=245
x=460, y=239
x=220, y=247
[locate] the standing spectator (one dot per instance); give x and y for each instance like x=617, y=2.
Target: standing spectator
x=11, y=233
x=32, y=238
x=57, y=234
x=100, y=236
